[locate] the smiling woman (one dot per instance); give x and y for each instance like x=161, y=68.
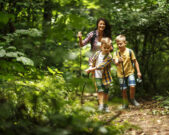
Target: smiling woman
x=103, y=29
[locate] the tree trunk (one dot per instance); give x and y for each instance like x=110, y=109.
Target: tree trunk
x=144, y=62
x=47, y=11
x=1, y=6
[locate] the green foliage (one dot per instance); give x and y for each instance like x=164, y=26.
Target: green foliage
x=5, y=17
x=45, y=104
x=38, y=35
x=30, y=32
x=25, y=61
x=18, y=56
x=164, y=101
x=8, y=50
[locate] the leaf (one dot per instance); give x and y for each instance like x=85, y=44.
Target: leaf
x=2, y=53
x=20, y=54
x=57, y=71
x=4, y=18
x=51, y=71
x=12, y=54
x=103, y=130
x=11, y=48
x=31, y=32
x=89, y=109
x=35, y=32
x=25, y=61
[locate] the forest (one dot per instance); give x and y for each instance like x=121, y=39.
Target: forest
x=44, y=86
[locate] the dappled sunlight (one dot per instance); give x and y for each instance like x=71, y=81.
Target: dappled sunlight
x=45, y=89
x=73, y=55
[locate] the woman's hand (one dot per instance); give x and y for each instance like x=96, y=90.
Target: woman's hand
x=79, y=34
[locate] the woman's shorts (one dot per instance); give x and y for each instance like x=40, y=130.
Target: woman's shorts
x=123, y=81
x=101, y=87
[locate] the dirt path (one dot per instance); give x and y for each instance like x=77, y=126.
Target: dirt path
x=148, y=119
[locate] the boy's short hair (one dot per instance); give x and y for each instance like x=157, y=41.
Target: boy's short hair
x=106, y=41
x=120, y=38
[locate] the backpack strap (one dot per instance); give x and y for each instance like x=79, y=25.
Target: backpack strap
x=130, y=54
x=131, y=57
x=122, y=69
x=119, y=54
x=92, y=39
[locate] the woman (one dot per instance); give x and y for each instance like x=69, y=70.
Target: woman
x=102, y=29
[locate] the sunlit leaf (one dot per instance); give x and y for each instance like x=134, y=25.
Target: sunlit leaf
x=51, y=71
x=25, y=61
x=32, y=32
x=12, y=54
x=2, y=52
x=11, y=48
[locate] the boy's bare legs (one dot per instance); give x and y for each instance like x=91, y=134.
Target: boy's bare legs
x=101, y=97
x=125, y=99
x=132, y=92
x=101, y=100
x=132, y=96
x=124, y=94
x=106, y=97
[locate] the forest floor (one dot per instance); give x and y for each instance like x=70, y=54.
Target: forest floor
x=147, y=119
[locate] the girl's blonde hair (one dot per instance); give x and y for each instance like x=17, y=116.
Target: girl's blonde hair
x=120, y=38
x=106, y=41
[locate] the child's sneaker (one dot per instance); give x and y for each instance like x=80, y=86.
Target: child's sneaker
x=134, y=102
x=106, y=109
x=124, y=106
x=101, y=107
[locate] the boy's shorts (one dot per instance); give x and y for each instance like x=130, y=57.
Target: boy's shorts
x=101, y=87
x=130, y=79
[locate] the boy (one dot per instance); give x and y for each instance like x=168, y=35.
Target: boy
x=101, y=64
x=124, y=59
